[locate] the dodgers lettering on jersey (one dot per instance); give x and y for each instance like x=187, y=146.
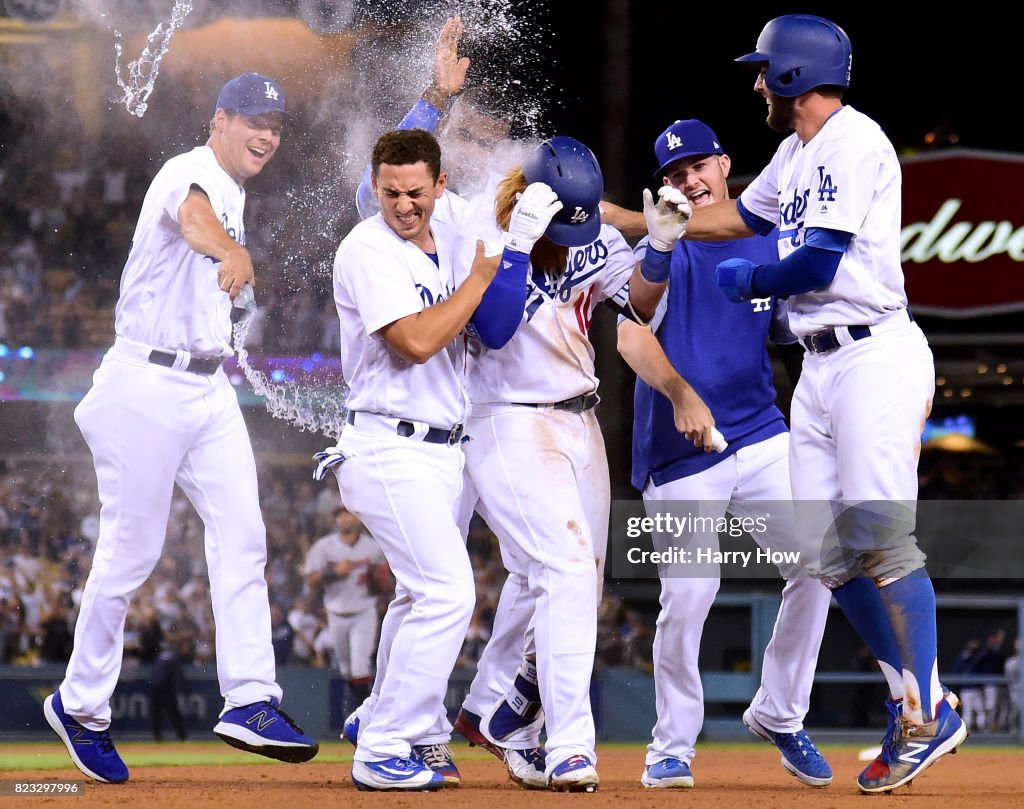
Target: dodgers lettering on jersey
x=720, y=348
x=847, y=178
x=379, y=278
x=170, y=297
x=550, y=357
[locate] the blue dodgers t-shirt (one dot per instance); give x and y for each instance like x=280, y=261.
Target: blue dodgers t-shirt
x=719, y=347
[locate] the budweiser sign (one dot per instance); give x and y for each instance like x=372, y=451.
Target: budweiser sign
x=963, y=233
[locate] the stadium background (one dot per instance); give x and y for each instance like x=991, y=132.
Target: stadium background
x=617, y=72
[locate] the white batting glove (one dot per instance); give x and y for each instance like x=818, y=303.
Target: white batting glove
x=666, y=220
x=530, y=218
x=330, y=458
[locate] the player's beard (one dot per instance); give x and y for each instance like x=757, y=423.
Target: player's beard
x=781, y=113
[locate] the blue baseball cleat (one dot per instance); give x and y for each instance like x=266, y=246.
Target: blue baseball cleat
x=265, y=729
x=800, y=757
x=395, y=774
x=350, y=730
x=575, y=774
x=669, y=773
x=92, y=751
x=908, y=750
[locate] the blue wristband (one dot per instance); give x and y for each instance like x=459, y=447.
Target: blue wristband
x=423, y=115
x=656, y=265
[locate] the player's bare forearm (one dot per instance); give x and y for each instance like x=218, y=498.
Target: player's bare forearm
x=628, y=223
x=420, y=336
x=643, y=294
x=717, y=222
x=204, y=234
x=644, y=354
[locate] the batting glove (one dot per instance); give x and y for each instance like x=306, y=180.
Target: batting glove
x=735, y=277
x=530, y=218
x=666, y=220
x=327, y=459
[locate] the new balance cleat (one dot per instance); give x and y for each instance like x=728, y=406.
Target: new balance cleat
x=575, y=774
x=467, y=725
x=350, y=730
x=395, y=774
x=913, y=748
x=526, y=767
x=669, y=773
x=800, y=757
x=894, y=708
x=438, y=757
x=92, y=751
x=263, y=728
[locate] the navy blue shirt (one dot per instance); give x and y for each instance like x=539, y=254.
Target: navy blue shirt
x=720, y=348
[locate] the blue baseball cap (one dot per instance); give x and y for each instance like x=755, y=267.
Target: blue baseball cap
x=251, y=94
x=684, y=139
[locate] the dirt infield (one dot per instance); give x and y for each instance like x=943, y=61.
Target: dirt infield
x=725, y=777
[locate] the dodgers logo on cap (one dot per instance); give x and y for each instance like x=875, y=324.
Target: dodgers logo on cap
x=686, y=138
x=251, y=94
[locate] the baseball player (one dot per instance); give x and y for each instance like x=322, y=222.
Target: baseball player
x=343, y=564
x=400, y=312
x=162, y=412
x=537, y=460
x=833, y=190
x=477, y=149
x=721, y=349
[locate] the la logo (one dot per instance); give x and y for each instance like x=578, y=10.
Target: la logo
x=674, y=141
x=579, y=215
x=270, y=93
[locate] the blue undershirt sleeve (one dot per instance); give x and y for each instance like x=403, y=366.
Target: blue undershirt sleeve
x=753, y=221
x=809, y=267
x=501, y=309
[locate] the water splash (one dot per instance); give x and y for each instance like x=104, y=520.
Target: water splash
x=142, y=72
x=316, y=408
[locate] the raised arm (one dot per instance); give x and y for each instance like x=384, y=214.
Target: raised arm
x=448, y=80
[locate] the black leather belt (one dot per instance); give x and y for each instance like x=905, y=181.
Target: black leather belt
x=196, y=365
x=826, y=341
x=577, y=404
x=434, y=435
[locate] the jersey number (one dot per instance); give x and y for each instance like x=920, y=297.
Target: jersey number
x=582, y=308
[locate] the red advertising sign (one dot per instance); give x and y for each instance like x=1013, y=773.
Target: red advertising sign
x=963, y=233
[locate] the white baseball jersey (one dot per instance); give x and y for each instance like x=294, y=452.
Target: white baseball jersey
x=348, y=594
x=550, y=357
x=379, y=278
x=170, y=297
x=847, y=177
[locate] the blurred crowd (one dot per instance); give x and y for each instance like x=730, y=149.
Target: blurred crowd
x=48, y=528
x=66, y=226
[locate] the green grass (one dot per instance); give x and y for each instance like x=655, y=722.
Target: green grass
x=52, y=756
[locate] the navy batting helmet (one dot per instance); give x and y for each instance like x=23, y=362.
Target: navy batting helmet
x=574, y=174
x=802, y=52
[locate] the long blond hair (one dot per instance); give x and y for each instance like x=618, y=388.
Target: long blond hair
x=546, y=255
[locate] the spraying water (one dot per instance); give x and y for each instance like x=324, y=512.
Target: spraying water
x=142, y=72
x=316, y=408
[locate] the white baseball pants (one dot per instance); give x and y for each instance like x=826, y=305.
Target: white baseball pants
x=149, y=427
x=753, y=474
x=404, y=491
x=542, y=476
